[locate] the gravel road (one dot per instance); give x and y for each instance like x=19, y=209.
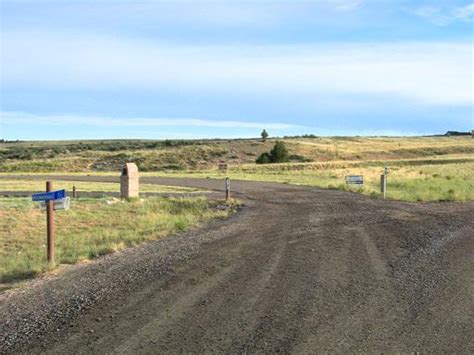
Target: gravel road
x=297, y=270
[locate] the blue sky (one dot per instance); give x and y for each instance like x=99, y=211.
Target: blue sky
x=193, y=69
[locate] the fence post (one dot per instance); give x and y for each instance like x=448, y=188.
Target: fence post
x=50, y=224
x=74, y=193
x=383, y=185
x=227, y=189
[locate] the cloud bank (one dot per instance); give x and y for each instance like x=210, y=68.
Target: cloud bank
x=429, y=73
x=15, y=118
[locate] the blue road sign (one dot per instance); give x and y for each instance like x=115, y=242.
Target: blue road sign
x=49, y=196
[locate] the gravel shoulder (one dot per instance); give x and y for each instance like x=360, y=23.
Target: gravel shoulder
x=297, y=270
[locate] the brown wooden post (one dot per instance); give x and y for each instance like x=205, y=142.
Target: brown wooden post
x=74, y=193
x=50, y=224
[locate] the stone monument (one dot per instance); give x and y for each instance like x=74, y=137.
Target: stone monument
x=129, y=181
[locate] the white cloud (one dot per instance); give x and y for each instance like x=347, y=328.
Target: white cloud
x=345, y=5
x=432, y=73
x=444, y=16
x=464, y=13
x=100, y=121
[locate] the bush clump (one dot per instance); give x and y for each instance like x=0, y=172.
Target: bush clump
x=279, y=154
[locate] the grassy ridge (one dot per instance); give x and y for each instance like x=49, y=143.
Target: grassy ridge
x=199, y=155
x=92, y=227
x=422, y=168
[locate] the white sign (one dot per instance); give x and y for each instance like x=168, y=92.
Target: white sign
x=61, y=204
x=355, y=179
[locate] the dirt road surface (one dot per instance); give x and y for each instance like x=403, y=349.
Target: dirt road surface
x=298, y=270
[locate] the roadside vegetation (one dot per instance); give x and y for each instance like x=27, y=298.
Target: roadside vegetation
x=103, y=156
x=82, y=186
x=279, y=154
x=92, y=227
x=421, y=168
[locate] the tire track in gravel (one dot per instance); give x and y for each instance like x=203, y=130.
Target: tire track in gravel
x=299, y=270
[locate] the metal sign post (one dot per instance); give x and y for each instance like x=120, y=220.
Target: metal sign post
x=383, y=185
x=227, y=189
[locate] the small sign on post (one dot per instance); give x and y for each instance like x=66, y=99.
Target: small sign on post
x=49, y=195
x=61, y=204
x=355, y=180
x=51, y=200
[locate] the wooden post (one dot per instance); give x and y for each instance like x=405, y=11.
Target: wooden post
x=383, y=184
x=227, y=189
x=74, y=193
x=50, y=224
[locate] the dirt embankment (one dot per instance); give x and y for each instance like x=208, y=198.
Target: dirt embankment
x=297, y=270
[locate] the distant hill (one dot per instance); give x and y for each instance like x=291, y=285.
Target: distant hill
x=179, y=155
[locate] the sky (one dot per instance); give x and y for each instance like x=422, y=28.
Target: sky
x=182, y=69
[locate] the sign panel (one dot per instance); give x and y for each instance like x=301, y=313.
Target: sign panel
x=49, y=196
x=61, y=204
x=355, y=179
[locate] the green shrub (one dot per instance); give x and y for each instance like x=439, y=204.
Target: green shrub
x=265, y=158
x=279, y=154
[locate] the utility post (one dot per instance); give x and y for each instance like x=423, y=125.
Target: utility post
x=383, y=182
x=50, y=224
x=227, y=190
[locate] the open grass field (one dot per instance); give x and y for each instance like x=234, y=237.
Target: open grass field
x=87, y=156
x=437, y=180
x=92, y=227
x=421, y=168
x=81, y=186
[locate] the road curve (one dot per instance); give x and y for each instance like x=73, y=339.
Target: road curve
x=298, y=270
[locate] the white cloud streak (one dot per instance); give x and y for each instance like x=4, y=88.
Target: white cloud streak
x=431, y=73
x=444, y=16
x=345, y=5
x=16, y=118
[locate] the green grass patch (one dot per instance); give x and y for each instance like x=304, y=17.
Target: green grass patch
x=92, y=227
x=431, y=182
x=35, y=185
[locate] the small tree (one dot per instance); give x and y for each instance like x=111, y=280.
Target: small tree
x=264, y=135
